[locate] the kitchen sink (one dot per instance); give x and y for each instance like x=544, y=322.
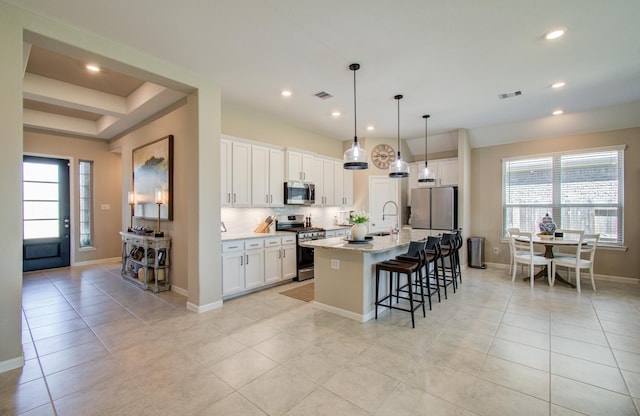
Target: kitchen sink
x=378, y=234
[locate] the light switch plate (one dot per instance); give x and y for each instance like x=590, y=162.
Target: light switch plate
x=105, y=207
x=335, y=264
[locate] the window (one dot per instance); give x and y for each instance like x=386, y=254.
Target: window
x=580, y=190
x=85, y=182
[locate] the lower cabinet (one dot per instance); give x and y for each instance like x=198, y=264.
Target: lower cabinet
x=252, y=263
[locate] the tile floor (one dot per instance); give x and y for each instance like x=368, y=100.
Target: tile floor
x=96, y=345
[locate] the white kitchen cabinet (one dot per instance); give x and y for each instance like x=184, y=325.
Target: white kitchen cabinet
x=267, y=177
x=445, y=172
x=343, y=185
x=235, y=170
x=323, y=178
x=279, y=259
x=299, y=166
x=242, y=265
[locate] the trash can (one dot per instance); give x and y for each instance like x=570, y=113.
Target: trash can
x=475, y=247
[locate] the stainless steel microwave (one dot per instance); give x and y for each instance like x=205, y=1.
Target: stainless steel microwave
x=299, y=193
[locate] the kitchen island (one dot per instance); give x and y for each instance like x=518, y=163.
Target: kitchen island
x=345, y=273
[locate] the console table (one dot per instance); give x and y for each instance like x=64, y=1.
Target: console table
x=145, y=261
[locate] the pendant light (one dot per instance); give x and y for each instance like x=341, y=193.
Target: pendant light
x=356, y=157
x=399, y=168
x=425, y=175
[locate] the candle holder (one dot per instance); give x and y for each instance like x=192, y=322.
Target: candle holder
x=159, y=199
x=131, y=197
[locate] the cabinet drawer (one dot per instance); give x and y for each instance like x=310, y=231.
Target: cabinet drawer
x=272, y=242
x=231, y=246
x=253, y=244
x=289, y=240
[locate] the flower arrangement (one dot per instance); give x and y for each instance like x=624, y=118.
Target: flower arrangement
x=359, y=217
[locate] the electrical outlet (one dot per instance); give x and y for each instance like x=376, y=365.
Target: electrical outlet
x=496, y=250
x=335, y=264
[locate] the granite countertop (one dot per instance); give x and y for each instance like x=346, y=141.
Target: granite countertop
x=375, y=245
x=250, y=234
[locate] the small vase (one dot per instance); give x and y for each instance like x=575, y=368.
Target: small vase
x=358, y=231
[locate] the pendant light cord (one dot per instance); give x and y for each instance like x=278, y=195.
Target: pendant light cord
x=426, y=158
x=354, y=68
x=398, y=98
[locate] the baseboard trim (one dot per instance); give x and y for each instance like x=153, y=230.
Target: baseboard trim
x=619, y=279
x=344, y=313
x=179, y=290
x=11, y=364
x=96, y=262
x=204, y=308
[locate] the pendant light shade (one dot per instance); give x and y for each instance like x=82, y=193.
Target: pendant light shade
x=426, y=175
x=356, y=157
x=399, y=168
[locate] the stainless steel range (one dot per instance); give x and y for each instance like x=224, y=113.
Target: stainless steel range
x=304, y=232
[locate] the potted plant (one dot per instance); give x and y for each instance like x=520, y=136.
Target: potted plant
x=359, y=229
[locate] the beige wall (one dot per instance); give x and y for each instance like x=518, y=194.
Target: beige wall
x=106, y=189
x=246, y=123
x=486, y=194
x=175, y=123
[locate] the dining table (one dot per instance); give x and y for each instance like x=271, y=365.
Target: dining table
x=549, y=244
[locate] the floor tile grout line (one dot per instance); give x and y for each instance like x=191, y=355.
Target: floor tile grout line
x=624, y=380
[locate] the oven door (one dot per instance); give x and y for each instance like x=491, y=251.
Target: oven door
x=305, y=263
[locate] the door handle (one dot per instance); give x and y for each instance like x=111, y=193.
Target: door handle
x=247, y=261
x=242, y=260
x=234, y=197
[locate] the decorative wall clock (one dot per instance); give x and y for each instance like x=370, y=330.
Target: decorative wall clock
x=382, y=156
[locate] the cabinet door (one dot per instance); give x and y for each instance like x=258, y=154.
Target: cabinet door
x=276, y=178
x=338, y=183
x=272, y=265
x=448, y=172
x=348, y=185
x=294, y=166
x=289, y=269
x=318, y=180
x=254, y=268
x=232, y=273
x=225, y=173
x=241, y=174
x=328, y=182
x=259, y=176
x=413, y=180
x=307, y=167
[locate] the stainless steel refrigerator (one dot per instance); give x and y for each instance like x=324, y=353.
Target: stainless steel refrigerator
x=434, y=208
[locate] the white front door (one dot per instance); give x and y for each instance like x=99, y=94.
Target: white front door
x=382, y=190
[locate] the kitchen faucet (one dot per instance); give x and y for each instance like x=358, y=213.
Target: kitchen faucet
x=396, y=229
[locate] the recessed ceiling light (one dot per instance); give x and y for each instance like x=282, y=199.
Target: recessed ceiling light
x=370, y=128
x=558, y=112
x=554, y=34
x=558, y=84
x=336, y=114
x=286, y=93
x=92, y=67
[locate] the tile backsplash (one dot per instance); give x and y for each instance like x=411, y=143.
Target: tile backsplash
x=240, y=220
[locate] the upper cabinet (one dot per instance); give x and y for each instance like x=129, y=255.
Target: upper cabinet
x=235, y=165
x=267, y=177
x=445, y=173
x=299, y=166
x=343, y=180
x=323, y=179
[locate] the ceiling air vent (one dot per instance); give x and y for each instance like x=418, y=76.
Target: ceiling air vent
x=323, y=95
x=509, y=94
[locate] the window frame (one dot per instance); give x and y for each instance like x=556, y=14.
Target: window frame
x=91, y=207
x=556, y=205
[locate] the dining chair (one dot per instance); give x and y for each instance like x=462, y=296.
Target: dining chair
x=512, y=250
x=587, y=247
x=524, y=254
x=566, y=235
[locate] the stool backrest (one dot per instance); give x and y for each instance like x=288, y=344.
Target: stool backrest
x=433, y=245
x=415, y=247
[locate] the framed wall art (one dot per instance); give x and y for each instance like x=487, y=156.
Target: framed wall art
x=153, y=179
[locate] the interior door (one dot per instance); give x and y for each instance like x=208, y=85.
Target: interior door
x=46, y=222
x=382, y=190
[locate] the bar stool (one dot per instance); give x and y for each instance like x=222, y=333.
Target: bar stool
x=434, y=252
x=459, y=243
x=396, y=268
x=447, y=245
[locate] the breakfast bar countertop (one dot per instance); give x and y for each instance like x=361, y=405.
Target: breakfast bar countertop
x=377, y=244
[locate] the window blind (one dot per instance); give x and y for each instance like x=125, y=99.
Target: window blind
x=580, y=190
